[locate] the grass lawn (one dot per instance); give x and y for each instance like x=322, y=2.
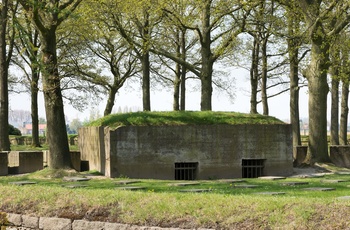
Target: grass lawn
x=223, y=205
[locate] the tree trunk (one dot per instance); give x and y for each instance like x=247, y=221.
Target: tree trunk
x=254, y=77
x=110, y=102
x=344, y=113
x=34, y=107
x=4, y=102
x=316, y=74
x=264, y=77
x=59, y=156
x=146, y=94
x=177, y=82
x=294, y=92
x=206, y=59
x=334, y=138
x=183, y=72
x=294, y=41
x=177, y=79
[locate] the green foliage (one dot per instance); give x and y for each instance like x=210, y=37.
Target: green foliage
x=14, y=131
x=182, y=118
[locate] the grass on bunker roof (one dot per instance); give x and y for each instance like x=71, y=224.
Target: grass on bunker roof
x=183, y=118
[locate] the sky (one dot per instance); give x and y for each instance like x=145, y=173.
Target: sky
x=161, y=100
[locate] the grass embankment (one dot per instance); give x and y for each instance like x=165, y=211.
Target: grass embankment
x=225, y=206
x=182, y=118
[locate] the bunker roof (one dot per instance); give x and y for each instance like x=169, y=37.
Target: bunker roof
x=182, y=118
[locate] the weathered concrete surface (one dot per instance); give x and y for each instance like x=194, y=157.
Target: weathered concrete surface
x=151, y=151
x=25, y=161
x=91, y=146
x=340, y=155
x=3, y=163
x=75, y=158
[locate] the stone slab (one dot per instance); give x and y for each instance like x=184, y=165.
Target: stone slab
x=83, y=225
x=76, y=179
x=270, y=193
x=245, y=186
x=343, y=173
x=185, y=184
x=308, y=176
x=30, y=222
x=132, y=188
x=126, y=182
x=294, y=183
x=332, y=181
x=22, y=182
x=319, y=189
x=15, y=219
x=116, y=226
x=46, y=223
x=232, y=181
x=195, y=190
x=272, y=177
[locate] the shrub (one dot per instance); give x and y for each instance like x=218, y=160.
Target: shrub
x=14, y=131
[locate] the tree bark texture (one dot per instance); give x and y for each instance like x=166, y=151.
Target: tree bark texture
x=264, y=97
x=177, y=78
x=334, y=138
x=316, y=74
x=177, y=82
x=183, y=72
x=318, y=90
x=294, y=41
x=254, y=77
x=206, y=59
x=59, y=156
x=146, y=92
x=343, y=140
x=294, y=93
x=145, y=62
x=34, y=89
x=110, y=101
x=4, y=100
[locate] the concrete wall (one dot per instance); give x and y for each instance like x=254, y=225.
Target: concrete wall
x=25, y=161
x=75, y=157
x=340, y=155
x=151, y=151
x=91, y=145
x=3, y=163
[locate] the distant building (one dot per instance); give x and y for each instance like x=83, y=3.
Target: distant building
x=27, y=129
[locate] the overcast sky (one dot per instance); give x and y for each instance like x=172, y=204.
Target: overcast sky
x=162, y=101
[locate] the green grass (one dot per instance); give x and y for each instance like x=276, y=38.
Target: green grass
x=182, y=118
x=161, y=204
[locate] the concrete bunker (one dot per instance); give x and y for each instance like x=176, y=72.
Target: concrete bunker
x=189, y=152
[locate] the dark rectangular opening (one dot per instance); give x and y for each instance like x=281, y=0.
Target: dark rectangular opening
x=84, y=166
x=185, y=170
x=252, y=168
